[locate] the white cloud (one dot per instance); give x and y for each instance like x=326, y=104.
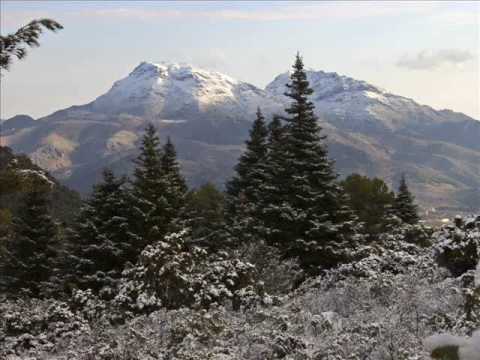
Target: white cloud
x=431, y=59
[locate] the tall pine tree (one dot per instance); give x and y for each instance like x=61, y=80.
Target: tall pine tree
x=158, y=190
x=255, y=152
x=102, y=241
x=149, y=199
x=244, y=190
x=404, y=206
x=312, y=222
x=176, y=188
x=31, y=251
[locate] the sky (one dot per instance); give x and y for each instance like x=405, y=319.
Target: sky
x=428, y=51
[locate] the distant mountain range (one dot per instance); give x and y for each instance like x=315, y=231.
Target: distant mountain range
x=208, y=114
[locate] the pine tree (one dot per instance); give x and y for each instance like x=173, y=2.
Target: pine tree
x=404, y=206
x=149, y=189
x=273, y=192
x=312, y=221
x=243, y=191
x=102, y=241
x=158, y=189
x=176, y=188
x=31, y=251
x=255, y=152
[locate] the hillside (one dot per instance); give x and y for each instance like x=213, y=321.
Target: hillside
x=19, y=168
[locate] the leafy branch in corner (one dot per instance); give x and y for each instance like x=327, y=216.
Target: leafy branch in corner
x=15, y=45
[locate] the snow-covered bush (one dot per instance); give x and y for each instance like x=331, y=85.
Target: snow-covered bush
x=278, y=275
x=394, y=252
x=33, y=326
x=457, y=246
x=382, y=307
x=170, y=274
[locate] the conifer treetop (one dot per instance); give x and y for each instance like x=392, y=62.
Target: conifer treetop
x=255, y=152
x=405, y=207
x=148, y=167
x=258, y=135
x=299, y=90
x=169, y=156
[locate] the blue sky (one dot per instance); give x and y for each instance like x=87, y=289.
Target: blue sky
x=428, y=51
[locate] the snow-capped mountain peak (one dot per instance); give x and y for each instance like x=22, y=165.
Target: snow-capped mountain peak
x=356, y=104
x=178, y=71
x=172, y=89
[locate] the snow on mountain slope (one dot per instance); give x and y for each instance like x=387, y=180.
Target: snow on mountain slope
x=174, y=90
x=357, y=105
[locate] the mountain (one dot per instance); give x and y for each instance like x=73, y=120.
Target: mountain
x=17, y=122
x=181, y=91
x=208, y=115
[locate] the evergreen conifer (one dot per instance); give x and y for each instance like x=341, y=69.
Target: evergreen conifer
x=405, y=207
x=102, y=241
x=244, y=190
x=149, y=190
x=31, y=251
x=311, y=220
x=176, y=188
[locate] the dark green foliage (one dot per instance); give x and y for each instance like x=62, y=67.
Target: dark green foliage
x=405, y=207
x=272, y=189
x=31, y=251
x=102, y=241
x=205, y=215
x=255, y=152
x=372, y=201
x=306, y=217
x=158, y=189
x=19, y=177
x=244, y=191
x=150, y=204
x=14, y=45
x=176, y=188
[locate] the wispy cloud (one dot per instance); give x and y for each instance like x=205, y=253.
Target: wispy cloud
x=431, y=59
x=261, y=11
x=268, y=11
